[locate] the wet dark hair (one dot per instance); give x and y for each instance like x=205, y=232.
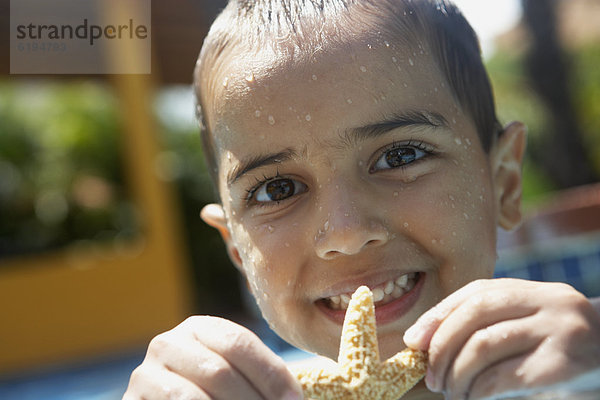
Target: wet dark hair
x=299, y=29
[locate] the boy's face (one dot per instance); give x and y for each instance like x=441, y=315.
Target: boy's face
x=359, y=168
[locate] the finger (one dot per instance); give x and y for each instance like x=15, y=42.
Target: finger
x=250, y=357
x=154, y=383
x=490, y=346
x=475, y=313
x=419, y=335
x=207, y=369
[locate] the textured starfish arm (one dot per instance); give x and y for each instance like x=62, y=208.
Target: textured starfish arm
x=402, y=372
x=320, y=384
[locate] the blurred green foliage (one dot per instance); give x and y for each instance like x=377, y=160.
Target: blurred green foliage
x=60, y=172
x=516, y=100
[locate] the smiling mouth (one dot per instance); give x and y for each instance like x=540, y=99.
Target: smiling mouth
x=382, y=294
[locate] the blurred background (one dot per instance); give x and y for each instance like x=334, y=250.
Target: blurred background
x=102, y=180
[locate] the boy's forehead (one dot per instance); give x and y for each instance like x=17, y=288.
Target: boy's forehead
x=379, y=77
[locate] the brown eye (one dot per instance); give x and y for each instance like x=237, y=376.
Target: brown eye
x=279, y=190
x=399, y=156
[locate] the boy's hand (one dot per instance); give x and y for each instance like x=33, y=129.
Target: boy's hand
x=495, y=336
x=211, y=358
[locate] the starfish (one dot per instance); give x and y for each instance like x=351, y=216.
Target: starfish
x=359, y=374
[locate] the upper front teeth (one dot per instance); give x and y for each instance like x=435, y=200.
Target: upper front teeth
x=390, y=290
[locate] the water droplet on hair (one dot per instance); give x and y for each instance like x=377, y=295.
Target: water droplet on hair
x=250, y=77
x=410, y=61
x=307, y=117
x=271, y=120
x=363, y=68
x=314, y=77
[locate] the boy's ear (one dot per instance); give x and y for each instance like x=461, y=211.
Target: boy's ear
x=507, y=158
x=214, y=215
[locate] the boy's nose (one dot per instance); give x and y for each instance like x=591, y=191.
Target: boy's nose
x=348, y=229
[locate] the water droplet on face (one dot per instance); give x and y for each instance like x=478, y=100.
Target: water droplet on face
x=468, y=141
x=250, y=77
x=387, y=44
x=225, y=81
x=363, y=68
x=396, y=194
x=257, y=113
x=326, y=225
x=308, y=117
x=360, y=163
x=411, y=62
x=287, y=245
x=271, y=228
x=394, y=60
x=466, y=215
x=314, y=77
x=271, y=120
x=349, y=101
x=405, y=224
x=457, y=141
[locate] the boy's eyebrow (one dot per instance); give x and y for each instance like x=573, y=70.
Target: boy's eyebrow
x=354, y=135
x=397, y=120
x=258, y=161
